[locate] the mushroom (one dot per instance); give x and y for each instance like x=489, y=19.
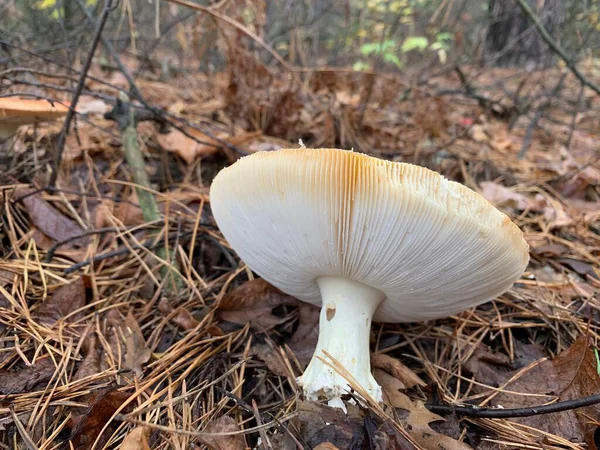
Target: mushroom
x=15, y=112
x=367, y=239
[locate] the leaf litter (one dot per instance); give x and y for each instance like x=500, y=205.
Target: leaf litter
x=193, y=364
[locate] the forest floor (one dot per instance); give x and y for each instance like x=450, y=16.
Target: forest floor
x=99, y=349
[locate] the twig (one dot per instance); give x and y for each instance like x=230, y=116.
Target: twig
x=538, y=114
x=497, y=413
x=574, y=118
x=60, y=146
x=147, y=244
x=555, y=47
x=52, y=250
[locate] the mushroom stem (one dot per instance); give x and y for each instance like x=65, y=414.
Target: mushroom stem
x=344, y=329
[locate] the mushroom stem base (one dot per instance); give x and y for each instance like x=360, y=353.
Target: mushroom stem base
x=344, y=329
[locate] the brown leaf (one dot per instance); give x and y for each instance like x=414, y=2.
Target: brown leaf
x=189, y=149
x=27, y=379
x=67, y=299
x=137, y=353
x=416, y=422
x=304, y=340
x=272, y=359
x=322, y=424
x=51, y=221
x=502, y=196
x=86, y=427
x=137, y=439
x=326, y=446
x=391, y=387
x=183, y=318
x=91, y=363
x=572, y=374
x=398, y=370
x=387, y=437
x=223, y=424
x=253, y=303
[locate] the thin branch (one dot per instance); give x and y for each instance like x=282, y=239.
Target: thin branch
x=497, y=413
x=555, y=47
x=60, y=146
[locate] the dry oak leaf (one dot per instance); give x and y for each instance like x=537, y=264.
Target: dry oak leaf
x=416, y=422
x=137, y=439
x=225, y=425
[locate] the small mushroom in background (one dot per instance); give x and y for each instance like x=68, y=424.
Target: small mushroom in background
x=367, y=239
x=15, y=112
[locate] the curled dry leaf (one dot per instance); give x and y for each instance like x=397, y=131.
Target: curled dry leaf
x=223, y=424
x=27, y=379
x=137, y=439
x=398, y=370
x=65, y=303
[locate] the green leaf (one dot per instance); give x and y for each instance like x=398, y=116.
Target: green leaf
x=414, y=43
x=377, y=47
x=393, y=58
x=367, y=49
x=360, y=66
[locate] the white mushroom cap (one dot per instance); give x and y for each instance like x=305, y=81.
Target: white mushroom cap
x=432, y=246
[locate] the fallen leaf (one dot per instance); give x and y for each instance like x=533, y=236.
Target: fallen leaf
x=391, y=387
x=478, y=133
x=571, y=374
x=396, y=369
x=189, y=149
x=26, y=379
x=326, y=446
x=272, y=358
x=137, y=439
x=416, y=421
x=304, y=340
x=86, y=427
x=91, y=362
x=502, y=196
x=182, y=318
x=253, y=302
x=137, y=353
x=223, y=424
x=62, y=305
x=51, y=221
x=322, y=424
